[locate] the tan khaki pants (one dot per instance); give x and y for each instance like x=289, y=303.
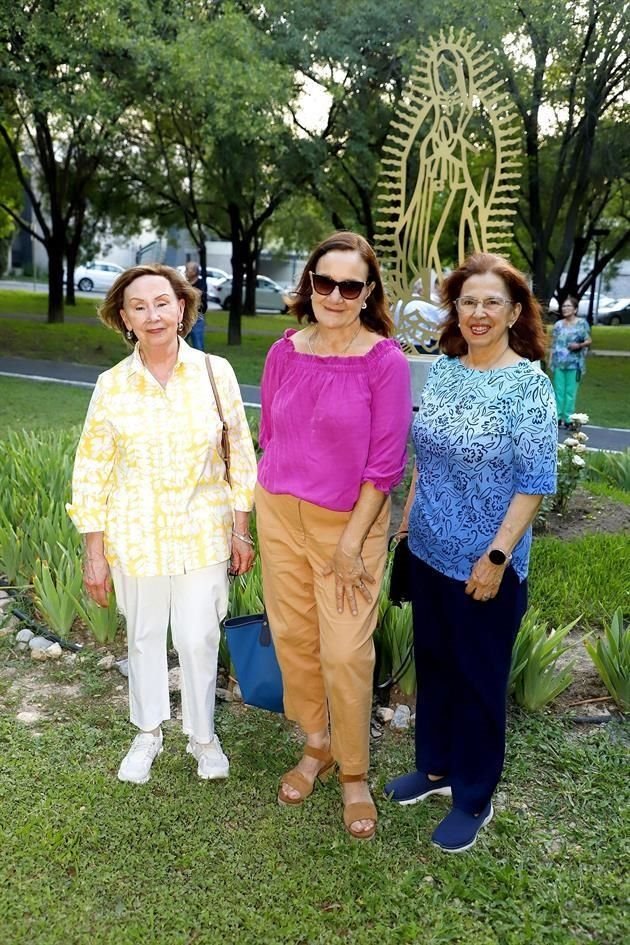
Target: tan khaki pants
x=326, y=658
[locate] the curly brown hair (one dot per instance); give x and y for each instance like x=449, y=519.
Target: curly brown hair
x=376, y=314
x=527, y=335
x=109, y=310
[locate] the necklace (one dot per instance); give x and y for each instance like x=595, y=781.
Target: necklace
x=315, y=334
x=490, y=366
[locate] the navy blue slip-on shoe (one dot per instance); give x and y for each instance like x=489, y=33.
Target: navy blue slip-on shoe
x=415, y=786
x=459, y=830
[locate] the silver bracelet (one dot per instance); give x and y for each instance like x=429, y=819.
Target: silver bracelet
x=246, y=538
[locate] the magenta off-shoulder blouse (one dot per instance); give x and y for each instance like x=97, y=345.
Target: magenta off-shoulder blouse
x=329, y=424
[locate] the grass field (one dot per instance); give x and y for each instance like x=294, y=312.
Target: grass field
x=89, y=861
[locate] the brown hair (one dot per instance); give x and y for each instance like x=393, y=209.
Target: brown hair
x=376, y=314
x=527, y=335
x=109, y=311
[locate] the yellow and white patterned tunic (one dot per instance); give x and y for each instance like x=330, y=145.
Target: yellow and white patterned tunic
x=148, y=472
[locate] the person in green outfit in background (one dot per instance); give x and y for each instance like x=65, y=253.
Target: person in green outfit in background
x=570, y=341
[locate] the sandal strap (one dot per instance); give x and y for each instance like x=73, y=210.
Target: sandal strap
x=359, y=810
x=349, y=778
x=322, y=754
x=298, y=782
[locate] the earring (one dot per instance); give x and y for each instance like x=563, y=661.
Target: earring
x=129, y=335
x=364, y=305
x=180, y=326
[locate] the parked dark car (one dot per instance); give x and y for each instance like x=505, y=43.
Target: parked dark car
x=616, y=314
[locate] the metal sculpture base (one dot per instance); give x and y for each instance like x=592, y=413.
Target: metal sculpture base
x=419, y=366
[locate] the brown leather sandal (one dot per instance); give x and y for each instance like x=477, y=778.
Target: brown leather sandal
x=358, y=810
x=295, y=779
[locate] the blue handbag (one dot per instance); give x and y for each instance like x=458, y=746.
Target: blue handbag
x=257, y=671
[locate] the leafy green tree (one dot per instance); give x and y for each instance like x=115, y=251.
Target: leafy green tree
x=66, y=78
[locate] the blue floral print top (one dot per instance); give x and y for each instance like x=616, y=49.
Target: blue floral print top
x=562, y=335
x=480, y=437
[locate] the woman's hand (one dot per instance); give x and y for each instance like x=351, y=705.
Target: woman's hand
x=485, y=579
x=350, y=575
x=242, y=556
x=97, y=579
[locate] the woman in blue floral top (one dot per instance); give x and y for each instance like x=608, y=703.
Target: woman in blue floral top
x=570, y=341
x=485, y=439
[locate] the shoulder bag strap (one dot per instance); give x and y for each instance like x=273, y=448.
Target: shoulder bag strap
x=225, y=436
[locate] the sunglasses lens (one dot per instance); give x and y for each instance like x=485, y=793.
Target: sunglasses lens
x=350, y=289
x=323, y=285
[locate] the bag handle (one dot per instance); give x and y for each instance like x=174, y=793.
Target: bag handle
x=225, y=435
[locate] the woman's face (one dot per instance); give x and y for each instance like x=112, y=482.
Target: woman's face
x=333, y=311
x=568, y=308
x=487, y=325
x=152, y=311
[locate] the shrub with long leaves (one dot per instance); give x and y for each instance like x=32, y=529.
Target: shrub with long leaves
x=56, y=593
x=535, y=679
x=103, y=622
x=611, y=656
x=392, y=640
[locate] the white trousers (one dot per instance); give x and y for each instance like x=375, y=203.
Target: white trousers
x=194, y=604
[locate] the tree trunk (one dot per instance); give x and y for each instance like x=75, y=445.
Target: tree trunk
x=72, y=253
x=238, y=259
x=249, y=307
x=55, y=281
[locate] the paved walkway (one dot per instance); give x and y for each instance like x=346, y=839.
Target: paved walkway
x=84, y=375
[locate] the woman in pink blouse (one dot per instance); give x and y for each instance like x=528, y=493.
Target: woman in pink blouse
x=336, y=409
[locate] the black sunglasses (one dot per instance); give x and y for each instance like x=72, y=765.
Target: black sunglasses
x=348, y=288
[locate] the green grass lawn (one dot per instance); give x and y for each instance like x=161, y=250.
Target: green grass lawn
x=611, y=337
x=89, y=861
x=18, y=303
x=604, y=394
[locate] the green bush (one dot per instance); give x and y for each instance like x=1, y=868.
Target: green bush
x=611, y=468
x=535, y=679
x=611, y=656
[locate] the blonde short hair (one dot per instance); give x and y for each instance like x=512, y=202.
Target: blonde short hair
x=109, y=311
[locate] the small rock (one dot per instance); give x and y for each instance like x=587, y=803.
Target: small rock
x=38, y=654
x=106, y=662
x=237, y=695
x=29, y=718
x=53, y=652
x=224, y=695
x=174, y=679
x=384, y=713
x=24, y=635
x=5, y=604
x=401, y=718
x=428, y=880
x=21, y=646
x=123, y=667
x=4, y=595
x=376, y=729
x=39, y=643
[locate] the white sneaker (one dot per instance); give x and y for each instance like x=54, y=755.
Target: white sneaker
x=136, y=765
x=213, y=764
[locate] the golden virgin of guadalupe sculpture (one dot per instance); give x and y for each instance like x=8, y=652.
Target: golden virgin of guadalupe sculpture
x=449, y=179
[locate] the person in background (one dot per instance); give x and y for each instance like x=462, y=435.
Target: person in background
x=161, y=523
x=485, y=438
x=570, y=341
x=193, y=274
x=336, y=409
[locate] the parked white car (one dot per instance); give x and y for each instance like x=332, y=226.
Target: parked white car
x=269, y=294
x=96, y=275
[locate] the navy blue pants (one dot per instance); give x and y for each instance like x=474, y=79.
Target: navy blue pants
x=463, y=650
x=195, y=338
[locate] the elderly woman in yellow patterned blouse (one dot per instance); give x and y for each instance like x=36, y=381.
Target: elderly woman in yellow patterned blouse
x=159, y=519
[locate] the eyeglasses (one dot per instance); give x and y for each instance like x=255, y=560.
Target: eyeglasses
x=467, y=305
x=348, y=288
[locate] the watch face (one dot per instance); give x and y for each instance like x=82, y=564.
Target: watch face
x=497, y=557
